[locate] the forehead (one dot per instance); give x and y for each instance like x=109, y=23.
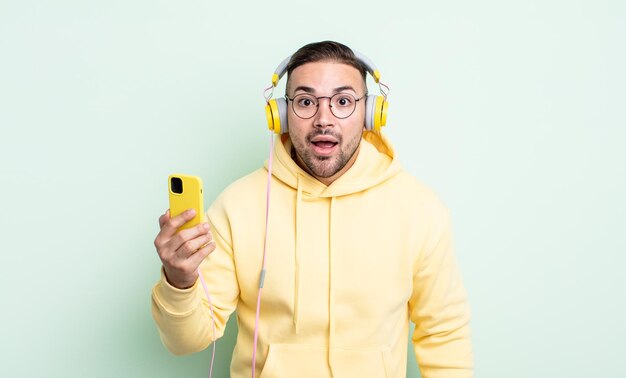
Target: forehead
x=324, y=77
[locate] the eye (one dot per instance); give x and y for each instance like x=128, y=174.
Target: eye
x=344, y=100
x=305, y=101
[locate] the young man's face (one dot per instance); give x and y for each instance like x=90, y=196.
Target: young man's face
x=326, y=145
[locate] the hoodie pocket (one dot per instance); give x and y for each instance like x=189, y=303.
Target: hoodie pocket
x=304, y=361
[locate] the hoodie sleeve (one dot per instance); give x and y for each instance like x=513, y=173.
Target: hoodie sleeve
x=183, y=317
x=438, y=305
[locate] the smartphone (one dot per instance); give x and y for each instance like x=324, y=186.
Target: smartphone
x=185, y=192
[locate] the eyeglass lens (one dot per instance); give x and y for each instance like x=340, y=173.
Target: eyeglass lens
x=342, y=105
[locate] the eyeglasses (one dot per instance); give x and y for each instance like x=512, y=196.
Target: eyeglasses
x=342, y=105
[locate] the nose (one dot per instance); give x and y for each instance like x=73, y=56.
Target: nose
x=324, y=117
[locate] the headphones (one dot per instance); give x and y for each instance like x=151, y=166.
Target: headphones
x=375, y=106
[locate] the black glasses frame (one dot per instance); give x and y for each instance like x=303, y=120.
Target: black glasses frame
x=317, y=107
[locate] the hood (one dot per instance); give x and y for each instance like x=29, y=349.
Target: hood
x=375, y=164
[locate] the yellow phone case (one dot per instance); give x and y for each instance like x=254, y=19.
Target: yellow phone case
x=185, y=192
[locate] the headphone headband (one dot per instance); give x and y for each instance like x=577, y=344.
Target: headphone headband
x=281, y=70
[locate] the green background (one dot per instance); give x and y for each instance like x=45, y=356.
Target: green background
x=513, y=111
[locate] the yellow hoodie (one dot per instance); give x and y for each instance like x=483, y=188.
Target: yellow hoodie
x=348, y=266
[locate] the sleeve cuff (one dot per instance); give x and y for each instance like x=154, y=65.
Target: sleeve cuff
x=176, y=302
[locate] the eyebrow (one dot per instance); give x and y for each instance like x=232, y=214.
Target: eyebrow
x=312, y=91
x=304, y=89
x=344, y=88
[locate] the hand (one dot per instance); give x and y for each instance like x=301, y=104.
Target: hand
x=181, y=253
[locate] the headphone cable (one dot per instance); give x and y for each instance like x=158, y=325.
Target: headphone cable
x=262, y=277
x=206, y=291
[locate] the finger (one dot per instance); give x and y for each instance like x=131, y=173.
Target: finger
x=161, y=240
x=164, y=218
x=190, y=247
x=169, y=248
x=164, y=236
x=188, y=234
x=202, y=254
x=171, y=226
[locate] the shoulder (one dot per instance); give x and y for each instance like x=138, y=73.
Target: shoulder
x=414, y=192
x=245, y=184
x=239, y=200
x=418, y=205
x=246, y=188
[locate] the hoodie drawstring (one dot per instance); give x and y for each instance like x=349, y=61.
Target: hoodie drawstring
x=331, y=299
x=296, y=299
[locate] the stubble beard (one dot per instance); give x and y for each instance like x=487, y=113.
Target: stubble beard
x=326, y=166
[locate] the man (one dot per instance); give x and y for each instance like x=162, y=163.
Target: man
x=356, y=249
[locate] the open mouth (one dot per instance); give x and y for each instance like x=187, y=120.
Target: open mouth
x=325, y=144
x=324, y=148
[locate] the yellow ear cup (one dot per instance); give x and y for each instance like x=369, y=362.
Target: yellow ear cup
x=273, y=116
x=380, y=113
x=383, y=116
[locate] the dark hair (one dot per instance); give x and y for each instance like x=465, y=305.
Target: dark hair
x=326, y=51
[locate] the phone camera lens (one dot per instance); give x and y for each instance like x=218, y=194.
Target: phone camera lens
x=176, y=184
